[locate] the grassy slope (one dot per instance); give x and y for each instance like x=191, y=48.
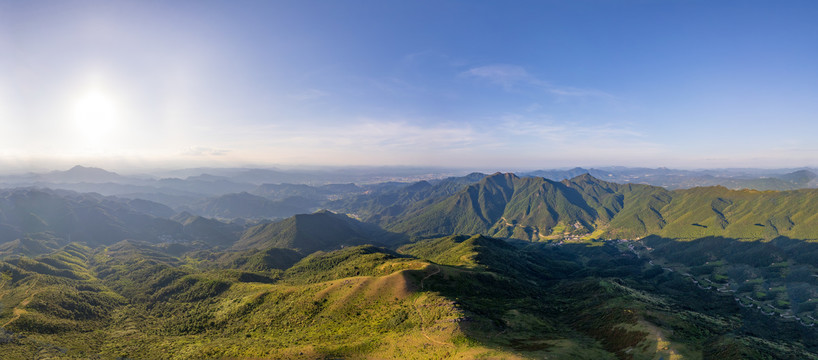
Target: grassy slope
x=498, y=205
x=382, y=207
x=308, y=233
x=453, y=297
x=746, y=214
x=355, y=302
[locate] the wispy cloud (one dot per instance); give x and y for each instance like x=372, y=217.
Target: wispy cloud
x=393, y=85
x=501, y=74
x=405, y=135
x=381, y=136
x=547, y=128
x=309, y=94
x=575, y=92
x=364, y=140
x=511, y=139
x=204, y=151
x=514, y=76
x=430, y=56
x=578, y=140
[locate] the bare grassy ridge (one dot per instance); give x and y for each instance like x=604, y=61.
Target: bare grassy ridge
x=455, y=297
x=190, y=315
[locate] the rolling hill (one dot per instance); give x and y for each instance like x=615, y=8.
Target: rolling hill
x=88, y=218
x=455, y=297
x=495, y=266
x=735, y=179
x=308, y=233
x=248, y=206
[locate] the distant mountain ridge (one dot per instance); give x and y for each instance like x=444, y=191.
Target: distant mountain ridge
x=397, y=201
x=249, y=206
x=34, y=221
x=735, y=179
x=536, y=209
x=499, y=205
x=380, y=282
x=83, y=174
x=308, y=233
x=80, y=217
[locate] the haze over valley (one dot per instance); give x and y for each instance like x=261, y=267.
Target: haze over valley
x=408, y=180
x=209, y=259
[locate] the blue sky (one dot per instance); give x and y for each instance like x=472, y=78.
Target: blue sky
x=484, y=84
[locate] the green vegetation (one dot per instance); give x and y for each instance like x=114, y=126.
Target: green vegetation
x=312, y=232
x=452, y=297
x=538, y=209
x=325, y=285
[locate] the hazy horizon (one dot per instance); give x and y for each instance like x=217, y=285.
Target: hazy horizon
x=132, y=85
x=152, y=169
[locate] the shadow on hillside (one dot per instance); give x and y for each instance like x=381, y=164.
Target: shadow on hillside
x=781, y=272
x=754, y=253
x=580, y=287
x=542, y=293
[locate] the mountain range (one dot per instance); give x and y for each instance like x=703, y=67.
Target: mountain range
x=183, y=189
x=463, y=267
x=538, y=209
x=736, y=179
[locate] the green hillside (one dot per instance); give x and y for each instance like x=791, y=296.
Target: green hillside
x=523, y=208
x=383, y=206
x=584, y=207
x=245, y=205
x=209, y=231
x=308, y=233
x=505, y=205
x=743, y=214
x=35, y=221
x=455, y=297
x=325, y=285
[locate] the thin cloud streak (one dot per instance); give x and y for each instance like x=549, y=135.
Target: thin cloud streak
x=377, y=136
x=502, y=74
x=205, y=151
x=546, y=128
x=511, y=76
x=510, y=140
x=309, y=94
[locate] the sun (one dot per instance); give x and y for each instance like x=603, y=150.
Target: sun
x=95, y=117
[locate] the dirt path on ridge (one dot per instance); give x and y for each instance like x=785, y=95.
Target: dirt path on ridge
x=18, y=310
x=420, y=314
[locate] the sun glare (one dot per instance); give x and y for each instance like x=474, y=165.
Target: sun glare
x=95, y=117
